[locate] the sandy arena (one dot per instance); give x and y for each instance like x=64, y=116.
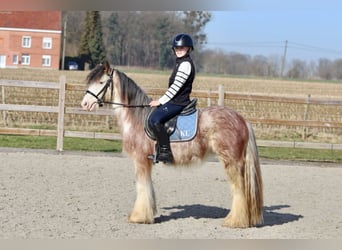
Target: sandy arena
x=45, y=195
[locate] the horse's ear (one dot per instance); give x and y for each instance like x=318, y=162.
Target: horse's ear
x=106, y=66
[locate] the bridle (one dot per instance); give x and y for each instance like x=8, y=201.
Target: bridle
x=101, y=98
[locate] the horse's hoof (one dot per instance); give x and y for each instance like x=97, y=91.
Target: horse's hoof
x=233, y=224
x=140, y=220
x=230, y=222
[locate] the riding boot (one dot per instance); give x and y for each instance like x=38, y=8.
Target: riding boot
x=164, y=153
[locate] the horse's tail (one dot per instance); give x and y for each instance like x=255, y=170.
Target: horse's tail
x=253, y=181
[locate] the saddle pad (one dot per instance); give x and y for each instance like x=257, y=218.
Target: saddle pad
x=186, y=128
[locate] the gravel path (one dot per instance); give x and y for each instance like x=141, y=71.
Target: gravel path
x=45, y=194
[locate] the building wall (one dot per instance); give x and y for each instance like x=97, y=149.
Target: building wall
x=34, y=28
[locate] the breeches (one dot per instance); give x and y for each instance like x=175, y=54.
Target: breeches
x=163, y=113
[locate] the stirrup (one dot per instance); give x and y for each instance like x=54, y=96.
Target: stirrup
x=153, y=157
x=166, y=157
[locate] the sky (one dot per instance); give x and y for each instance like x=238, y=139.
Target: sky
x=311, y=31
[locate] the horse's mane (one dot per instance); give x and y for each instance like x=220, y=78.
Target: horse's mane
x=133, y=95
x=131, y=92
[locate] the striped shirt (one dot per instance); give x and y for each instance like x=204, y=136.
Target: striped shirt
x=180, y=83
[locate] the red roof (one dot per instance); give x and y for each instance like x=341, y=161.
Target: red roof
x=46, y=20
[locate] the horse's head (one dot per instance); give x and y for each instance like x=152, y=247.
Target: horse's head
x=98, y=80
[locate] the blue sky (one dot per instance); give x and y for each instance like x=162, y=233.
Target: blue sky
x=312, y=31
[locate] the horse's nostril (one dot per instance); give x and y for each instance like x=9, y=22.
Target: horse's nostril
x=84, y=104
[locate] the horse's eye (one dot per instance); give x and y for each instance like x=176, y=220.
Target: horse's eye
x=101, y=82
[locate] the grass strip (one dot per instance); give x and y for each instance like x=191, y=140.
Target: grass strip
x=70, y=144
x=301, y=154
x=101, y=145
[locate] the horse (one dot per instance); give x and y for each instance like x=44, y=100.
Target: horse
x=221, y=131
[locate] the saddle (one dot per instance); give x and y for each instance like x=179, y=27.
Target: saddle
x=182, y=127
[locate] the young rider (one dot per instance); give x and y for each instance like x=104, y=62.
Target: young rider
x=176, y=97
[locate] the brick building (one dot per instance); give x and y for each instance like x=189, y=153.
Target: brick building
x=30, y=39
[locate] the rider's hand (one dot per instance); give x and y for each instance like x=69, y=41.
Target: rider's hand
x=154, y=103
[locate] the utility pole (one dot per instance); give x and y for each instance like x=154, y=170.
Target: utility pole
x=64, y=42
x=283, y=61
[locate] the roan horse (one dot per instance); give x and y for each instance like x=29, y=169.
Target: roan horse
x=220, y=130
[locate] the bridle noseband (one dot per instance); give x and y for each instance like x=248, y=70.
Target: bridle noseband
x=101, y=100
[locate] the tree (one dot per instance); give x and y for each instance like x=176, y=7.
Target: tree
x=91, y=48
x=324, y=69
x=194, y=22
x=114, y=38
x=338, y=69
x=73, y=31
x=274, y=65
x=298, y=69
x=259, y=66
x=161, y=33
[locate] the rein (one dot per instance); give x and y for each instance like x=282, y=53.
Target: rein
x=127, y=105
x=101, y=101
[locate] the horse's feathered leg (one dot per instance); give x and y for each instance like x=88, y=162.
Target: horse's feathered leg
x=231, y=137
x=246, y=188
x=145, y=204
x=238, y=215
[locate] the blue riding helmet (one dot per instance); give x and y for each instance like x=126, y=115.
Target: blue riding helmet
x=182, y=40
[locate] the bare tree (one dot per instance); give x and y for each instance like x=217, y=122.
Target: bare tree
x=338, y=69
x=73, y=20
x=325, y=69
x=298, y=69
x=274, y=65
x=259, y=66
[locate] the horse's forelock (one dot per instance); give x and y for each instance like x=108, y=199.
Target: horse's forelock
x=96, y=73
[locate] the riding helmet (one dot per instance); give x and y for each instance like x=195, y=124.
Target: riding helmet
x=183, y=40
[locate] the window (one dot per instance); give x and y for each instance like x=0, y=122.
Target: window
x=25, y=59
x=46, y=60
x=15, y=59
x=47, y=43
x=26, y=42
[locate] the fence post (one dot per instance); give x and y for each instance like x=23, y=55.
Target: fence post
x=209, y=98
x=61, y=112
x=306, y=112
x=220, y=100
x=4, y=113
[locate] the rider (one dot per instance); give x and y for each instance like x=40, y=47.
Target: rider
x=176, y=97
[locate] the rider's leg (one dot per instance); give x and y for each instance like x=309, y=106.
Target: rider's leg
x=163, y=141
x=157, y=120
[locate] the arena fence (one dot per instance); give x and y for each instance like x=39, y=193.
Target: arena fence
x=218, y=97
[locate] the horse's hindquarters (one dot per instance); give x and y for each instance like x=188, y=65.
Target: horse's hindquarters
x=226, y=132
